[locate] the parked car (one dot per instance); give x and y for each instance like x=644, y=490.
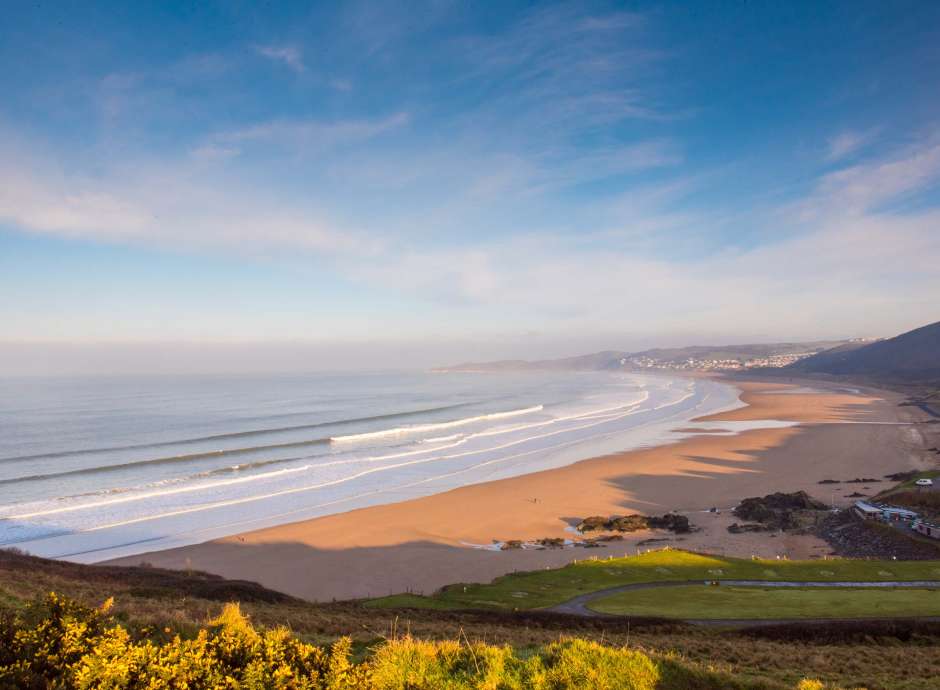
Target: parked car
x=924, y=482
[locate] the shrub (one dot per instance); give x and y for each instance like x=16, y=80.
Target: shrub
x=409, y=664
x=583, y=665
x=61, y=643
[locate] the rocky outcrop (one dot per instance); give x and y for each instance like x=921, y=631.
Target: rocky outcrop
x=778, y=510
x=592, y=523
x=634, y=523
x=672, y=522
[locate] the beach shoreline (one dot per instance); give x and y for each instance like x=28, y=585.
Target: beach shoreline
x=421, y=544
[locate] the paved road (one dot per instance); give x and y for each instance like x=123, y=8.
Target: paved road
x=928, y=409
x=578, y=605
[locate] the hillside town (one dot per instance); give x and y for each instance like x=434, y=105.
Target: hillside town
x=776, y=361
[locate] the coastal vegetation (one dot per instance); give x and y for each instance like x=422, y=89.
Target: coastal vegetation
x=159, y=606
x=56, y=642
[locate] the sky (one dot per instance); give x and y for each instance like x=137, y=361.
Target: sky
x=333, y=185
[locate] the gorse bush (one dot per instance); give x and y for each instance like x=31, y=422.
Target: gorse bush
x=61, y=644
x=58, y=643
x=575, y=664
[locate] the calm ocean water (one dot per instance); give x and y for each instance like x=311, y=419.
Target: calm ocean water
x=92, y=469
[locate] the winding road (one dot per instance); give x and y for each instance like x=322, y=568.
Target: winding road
x=578, y=606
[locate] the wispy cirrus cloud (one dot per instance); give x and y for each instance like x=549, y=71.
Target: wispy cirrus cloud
x=174, y=203
x=849, y=257
x=580, y=70
x=313, y=134
x=849, y=142
x=288, y=55
x=864, y=187
x=846, y=260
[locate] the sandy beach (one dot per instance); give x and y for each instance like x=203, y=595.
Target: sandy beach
x=422, y=544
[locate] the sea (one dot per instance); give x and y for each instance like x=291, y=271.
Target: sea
x=105, y=467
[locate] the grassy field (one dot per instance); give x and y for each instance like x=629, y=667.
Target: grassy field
x=545, y=588
x=911, y=484
x=702, y=601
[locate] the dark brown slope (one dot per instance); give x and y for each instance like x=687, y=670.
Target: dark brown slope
x=914, y=355
x=139, y=581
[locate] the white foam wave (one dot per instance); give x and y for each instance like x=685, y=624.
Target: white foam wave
x=441, y=439
x=421, y=428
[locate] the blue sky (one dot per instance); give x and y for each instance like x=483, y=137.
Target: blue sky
x=442, y=180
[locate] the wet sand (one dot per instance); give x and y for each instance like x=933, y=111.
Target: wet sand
x=423, y=544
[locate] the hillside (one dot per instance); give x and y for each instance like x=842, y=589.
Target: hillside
x=167, y=627
x=692, y=357
x=914, y=355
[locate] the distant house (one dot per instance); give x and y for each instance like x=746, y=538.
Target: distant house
x=886, y=513
x=928, y=529
x=867, y=511
x=895, y=514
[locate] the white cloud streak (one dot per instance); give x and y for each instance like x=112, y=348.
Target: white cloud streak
x=288, y=55
x=312, y=135
x=847, y=143
x=847, y=261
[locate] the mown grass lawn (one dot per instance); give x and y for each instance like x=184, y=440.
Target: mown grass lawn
x=703, y=601
x=911, y=483
x=545, y=588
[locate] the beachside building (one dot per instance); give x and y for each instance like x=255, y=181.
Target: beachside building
x=885, y=513
x=867, y=511
x=928, y=529
x=895, y=514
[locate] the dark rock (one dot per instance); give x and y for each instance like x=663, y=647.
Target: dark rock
x=511, y=544
x=735, y=528
x=607, y=537
x=629, y=523
x=634, y=523
x=672, y=522
x=830, y=481
x=777, y=510
x=595, y=522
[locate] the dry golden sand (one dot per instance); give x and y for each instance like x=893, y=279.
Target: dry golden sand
x=420, y=545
